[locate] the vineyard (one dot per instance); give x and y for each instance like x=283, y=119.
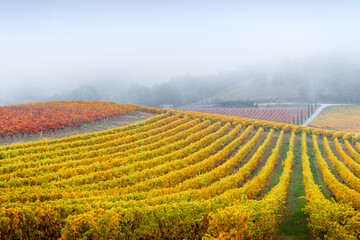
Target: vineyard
x=49, y=116
x=280, y=115
x=341, y=118
x=184, y=175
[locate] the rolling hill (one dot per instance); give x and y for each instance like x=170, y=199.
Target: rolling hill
x=184, y=175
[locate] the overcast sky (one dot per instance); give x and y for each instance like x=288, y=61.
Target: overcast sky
x=68, y=43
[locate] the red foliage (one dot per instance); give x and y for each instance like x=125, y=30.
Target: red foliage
x=37, y=117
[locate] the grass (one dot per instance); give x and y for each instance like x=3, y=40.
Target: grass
x=105, y=125
x=294, y=220
x=85, y=126
x=90, y=126
x=294, y=224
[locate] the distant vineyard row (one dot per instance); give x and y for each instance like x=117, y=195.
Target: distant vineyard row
x=178, y=175
x=280, y=115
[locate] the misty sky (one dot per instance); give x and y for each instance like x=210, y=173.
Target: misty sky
x=68, y=43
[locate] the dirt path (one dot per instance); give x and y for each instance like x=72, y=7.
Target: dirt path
x=130, y=118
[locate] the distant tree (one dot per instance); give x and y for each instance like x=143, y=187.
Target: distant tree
x=312, y=108
x=85, y=93
x=166, y=94
x=304, y=93
x=140, y=95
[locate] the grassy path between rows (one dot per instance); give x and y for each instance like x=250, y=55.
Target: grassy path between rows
x=294, y=223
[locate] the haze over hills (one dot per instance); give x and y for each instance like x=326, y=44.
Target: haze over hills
x=332, y=77
x=179, y=52
x=249, y=90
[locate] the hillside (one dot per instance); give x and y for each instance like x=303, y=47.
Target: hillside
x=183, y=175
x=257, y=92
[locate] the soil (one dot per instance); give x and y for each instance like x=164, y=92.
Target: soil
x=102, y=125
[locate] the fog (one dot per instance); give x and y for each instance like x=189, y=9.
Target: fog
x=50, y=48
